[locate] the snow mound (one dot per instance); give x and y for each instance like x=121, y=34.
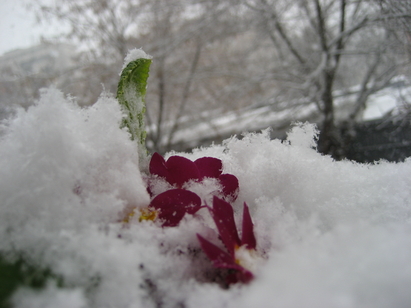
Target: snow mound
x=332, y=234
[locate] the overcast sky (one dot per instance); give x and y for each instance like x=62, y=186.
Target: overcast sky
x=18, y=27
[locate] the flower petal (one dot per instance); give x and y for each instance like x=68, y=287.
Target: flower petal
x=222, y=259
x=248, y=237
x=181, y=170
x=158, y=165
x=174, y=204
x=219, y=257
x=230, y=186
x=241, y=275
x=209, y=167
x=223, y=216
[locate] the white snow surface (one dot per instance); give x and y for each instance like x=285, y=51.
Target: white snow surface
x=329, y=234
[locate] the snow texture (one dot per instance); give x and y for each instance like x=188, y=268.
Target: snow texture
x=329, y=234
x=134, y=54
x=51, y=297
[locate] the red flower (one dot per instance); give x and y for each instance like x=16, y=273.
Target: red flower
x=178, y=170
x=171, y=206
x=223, y=216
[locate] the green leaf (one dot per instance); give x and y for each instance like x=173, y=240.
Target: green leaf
x=17, y=273
x=131, y=93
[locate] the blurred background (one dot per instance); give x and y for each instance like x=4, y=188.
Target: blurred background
x=223, y=67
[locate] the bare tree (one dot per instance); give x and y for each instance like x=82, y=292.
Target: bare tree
x=225, y=55
x=179, y=34
x=312, y=40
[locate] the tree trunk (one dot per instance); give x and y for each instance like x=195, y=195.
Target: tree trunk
x=330, y=140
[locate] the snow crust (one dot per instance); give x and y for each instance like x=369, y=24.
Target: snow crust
x=331, y=234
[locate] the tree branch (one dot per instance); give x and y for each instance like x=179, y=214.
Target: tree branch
x=186, y=92
x=273, y=16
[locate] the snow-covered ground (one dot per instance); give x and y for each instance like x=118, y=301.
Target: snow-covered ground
x=389, y=99
x=329, y=234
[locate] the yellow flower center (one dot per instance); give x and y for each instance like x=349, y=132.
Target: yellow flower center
x=148, y=214
x=145, y=214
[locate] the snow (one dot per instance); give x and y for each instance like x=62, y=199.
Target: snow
x=330, y=234
x=250, y=120
x=381, y=103
x=134, y=54
x=51, y=297
x=390, y=100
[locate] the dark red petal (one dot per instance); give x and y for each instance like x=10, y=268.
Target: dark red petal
x=222, y=259
x=242, y=275
x=223, y=216
x=219, y=257
x=248, y=237
x=209, y=167
x=181, y=170
x=158, y=165
x=174, y=204
x=230, y=186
